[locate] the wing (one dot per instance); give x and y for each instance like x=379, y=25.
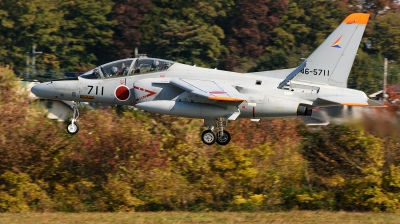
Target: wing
x=209, y=89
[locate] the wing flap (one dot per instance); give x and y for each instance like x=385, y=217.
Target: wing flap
x=209, y=89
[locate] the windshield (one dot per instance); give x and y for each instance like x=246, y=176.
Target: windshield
x=126, y=67
x=92, y=74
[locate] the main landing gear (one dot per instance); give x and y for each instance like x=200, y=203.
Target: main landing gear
x=72, y=127
x=221, y=136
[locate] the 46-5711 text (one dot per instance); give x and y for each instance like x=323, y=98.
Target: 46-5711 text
x=315, y=71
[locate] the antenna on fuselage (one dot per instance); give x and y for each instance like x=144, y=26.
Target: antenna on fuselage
x=137, y=55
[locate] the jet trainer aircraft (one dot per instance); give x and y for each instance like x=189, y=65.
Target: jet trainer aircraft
x=171, y=88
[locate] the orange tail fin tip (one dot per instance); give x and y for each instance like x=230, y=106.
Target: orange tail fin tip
x=357, y=18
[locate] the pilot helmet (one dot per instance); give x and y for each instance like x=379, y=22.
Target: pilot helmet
x=114, y=70
x=96, y=72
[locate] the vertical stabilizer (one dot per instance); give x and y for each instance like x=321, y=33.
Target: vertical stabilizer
x=331, y=62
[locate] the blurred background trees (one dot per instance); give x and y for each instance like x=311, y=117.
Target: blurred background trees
x=244, y=36
x=139, y=161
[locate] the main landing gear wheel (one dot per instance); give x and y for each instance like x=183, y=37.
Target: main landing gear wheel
x=72, y=127
x=220, y=136
x=208, y=137
x=223, y=139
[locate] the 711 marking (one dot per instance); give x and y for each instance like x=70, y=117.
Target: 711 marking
x=97, y=90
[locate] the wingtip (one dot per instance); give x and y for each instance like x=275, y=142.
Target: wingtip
x=357, y=18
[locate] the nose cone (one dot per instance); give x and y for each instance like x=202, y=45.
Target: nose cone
x=43, y=90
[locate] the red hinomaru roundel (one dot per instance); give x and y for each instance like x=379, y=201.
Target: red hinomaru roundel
x=122, y=93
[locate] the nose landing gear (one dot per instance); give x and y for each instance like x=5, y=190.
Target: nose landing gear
x=73, y=127
x=222, y=137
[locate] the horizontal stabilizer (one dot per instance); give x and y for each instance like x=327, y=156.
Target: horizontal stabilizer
x=374, y=103
x=345, y=101
x=312, y=121
x=340, y=101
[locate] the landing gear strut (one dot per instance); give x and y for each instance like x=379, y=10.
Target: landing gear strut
x=221, y=136
x=72, y=127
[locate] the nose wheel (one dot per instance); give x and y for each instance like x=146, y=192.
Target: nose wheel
x=221, y=136
x=73, y=127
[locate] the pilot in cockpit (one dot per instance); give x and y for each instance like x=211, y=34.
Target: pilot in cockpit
x=124, y=70
x=154, y=65
x=114, y=71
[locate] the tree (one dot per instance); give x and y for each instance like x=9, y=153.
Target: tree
x=127, y=36
x=350, y=165
x=185, y=31
x=376, y=7
x=27, y=23
x=384, y=38
x=302, y=29
x=251, y=22
x=367, y=73
x=248, y=29
x=85, y=32
x=71, y=34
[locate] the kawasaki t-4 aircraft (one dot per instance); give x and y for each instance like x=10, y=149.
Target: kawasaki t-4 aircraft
x=167, y=87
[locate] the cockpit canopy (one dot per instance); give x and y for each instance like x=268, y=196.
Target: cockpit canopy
x=128, y=67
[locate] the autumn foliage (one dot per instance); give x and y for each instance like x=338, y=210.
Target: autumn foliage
x=137, y=161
